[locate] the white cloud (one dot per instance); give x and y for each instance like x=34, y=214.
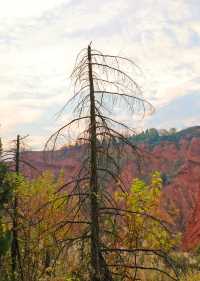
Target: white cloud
x=39, y=43
x=26, y=8
x=13, y=114
x=192, y=121
x=35, y=142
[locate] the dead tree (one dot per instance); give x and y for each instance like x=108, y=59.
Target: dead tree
x=15, y=252
x=102, y=83
x=14, y=161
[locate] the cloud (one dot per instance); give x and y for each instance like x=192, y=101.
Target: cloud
x=26, y=8
x=13, y=114
x=182, y=112
x=39, y=43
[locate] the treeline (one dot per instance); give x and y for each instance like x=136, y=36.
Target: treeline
x=153, y=136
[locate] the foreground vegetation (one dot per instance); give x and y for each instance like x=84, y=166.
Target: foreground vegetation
x=47, y=232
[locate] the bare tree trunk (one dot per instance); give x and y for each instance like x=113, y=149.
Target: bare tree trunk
x=101, y=81
x=96, y=270
x=15, y=253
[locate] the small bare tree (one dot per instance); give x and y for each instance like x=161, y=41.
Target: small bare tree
x=12, y=158
x=102, y=87
x=14, y=161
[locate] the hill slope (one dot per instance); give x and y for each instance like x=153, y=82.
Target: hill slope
x=177, y=157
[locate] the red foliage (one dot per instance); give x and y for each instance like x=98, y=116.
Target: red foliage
x=179, y=162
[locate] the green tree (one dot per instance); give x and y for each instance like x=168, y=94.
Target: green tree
x=41, y=210
x=143, y=232
x=6, y=194
x=172, y=131
x=40, y=214
x=163, y=132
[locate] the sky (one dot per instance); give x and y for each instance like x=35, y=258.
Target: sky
x=39, y=41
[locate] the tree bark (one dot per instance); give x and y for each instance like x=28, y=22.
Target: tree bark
x=15, y=253
x=94, y=211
